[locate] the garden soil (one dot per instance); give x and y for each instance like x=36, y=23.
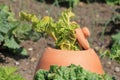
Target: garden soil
x=92, y=15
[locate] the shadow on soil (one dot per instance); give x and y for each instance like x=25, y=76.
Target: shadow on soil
x=118, y=10
x=68, y=4
x=5, y=53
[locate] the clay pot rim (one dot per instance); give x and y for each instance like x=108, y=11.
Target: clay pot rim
x=83, y=50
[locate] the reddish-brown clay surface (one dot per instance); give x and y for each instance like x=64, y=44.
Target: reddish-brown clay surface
x=83, y=42
x=86, y=32
x=87, y=59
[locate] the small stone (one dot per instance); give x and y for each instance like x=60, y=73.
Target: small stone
x=17, y=63
x=27, y=63
x=109, y=62
x=33, y=59
x=100, y=44
x=81, y=4
x=46, y=11
x=97, y=48
x=117, y=69
x=30, y=49
x=97, y=15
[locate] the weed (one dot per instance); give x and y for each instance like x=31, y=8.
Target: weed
x=113, y=2
x=71, y=3
x=114, y=52
x=9, y=73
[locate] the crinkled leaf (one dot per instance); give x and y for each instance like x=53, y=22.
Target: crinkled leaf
x=1, y=37
x=40, y=74
x=71, y=72
x=115, y=51
x=113, y=2
x=22, y=51
x=7, y=26
x=116, y=37
x=11, y=43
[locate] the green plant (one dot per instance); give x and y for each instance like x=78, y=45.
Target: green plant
x=7, y=26
x=113, y=2
x=9, y=73
x=114, y=52
x=114, y=19
x=71, y=3
x=62, y=31
x=24, y=31
x=71, y=72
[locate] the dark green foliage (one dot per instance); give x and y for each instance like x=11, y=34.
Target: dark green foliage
x=114, y=52
x=7, y=26
x=71, y=72
x=25, y=32
x=66, y=3
x=72, y=3
x=113, y=2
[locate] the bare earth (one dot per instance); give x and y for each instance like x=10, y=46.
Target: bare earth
x=91, y=15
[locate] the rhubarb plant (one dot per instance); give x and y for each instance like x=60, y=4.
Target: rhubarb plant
x=62, y=31
x=8, y=24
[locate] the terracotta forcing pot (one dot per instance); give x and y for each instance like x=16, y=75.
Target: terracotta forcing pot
x=87, y=58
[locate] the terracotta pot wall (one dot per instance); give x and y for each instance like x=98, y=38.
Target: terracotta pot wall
x=87, y=59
